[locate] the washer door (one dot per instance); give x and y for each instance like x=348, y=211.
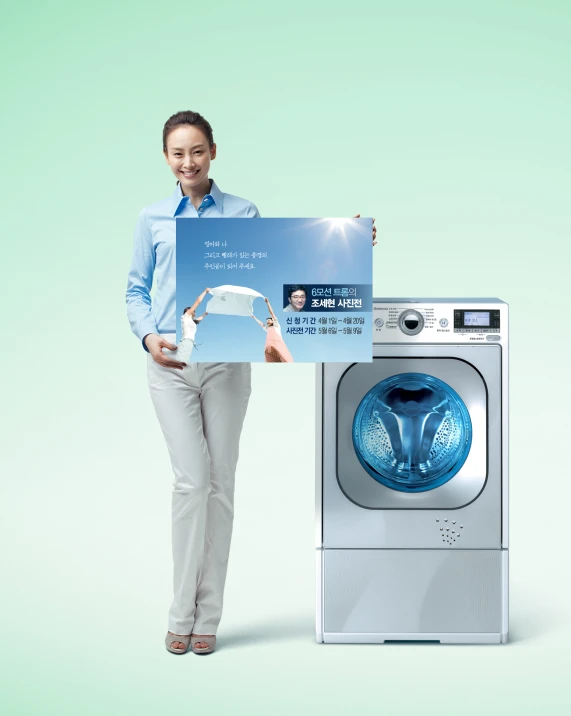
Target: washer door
x=412, y=433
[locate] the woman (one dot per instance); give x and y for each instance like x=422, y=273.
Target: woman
x=190, y=323
x=276, y=350
x=200, y=406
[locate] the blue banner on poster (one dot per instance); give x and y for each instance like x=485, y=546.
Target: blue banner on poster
x=274, y=290
x=327, y=297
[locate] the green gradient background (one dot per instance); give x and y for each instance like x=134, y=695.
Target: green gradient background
x=448, y=122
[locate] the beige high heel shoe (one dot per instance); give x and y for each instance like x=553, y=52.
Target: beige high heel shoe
x=210, y=640
x=171, y=638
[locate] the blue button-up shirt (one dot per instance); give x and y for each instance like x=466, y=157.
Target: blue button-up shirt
x=154, y=255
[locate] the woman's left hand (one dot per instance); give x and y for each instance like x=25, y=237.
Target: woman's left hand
x=358, y=216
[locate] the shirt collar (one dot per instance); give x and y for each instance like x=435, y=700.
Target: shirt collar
x=178, y=197
x=217, y=195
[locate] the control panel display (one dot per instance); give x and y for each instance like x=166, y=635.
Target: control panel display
x=477, y=318
x=476, y=321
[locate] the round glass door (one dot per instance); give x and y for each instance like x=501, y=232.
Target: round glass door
x=412, y=432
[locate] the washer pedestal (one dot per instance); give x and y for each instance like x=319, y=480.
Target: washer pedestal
x=378, y=595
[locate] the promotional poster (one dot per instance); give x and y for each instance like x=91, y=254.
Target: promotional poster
x=274, y=290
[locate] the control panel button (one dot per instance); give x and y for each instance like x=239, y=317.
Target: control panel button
x=443, y=322
x=492, y=337
x=379, y=322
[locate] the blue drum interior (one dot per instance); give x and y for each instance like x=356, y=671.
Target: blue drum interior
x=412, y=432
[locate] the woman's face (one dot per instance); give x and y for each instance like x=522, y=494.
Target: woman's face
x=269, y=323
x=189, y=156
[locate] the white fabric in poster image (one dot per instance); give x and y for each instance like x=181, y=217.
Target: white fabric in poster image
x=232, y=300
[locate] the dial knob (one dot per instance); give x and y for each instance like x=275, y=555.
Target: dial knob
x=411, y=322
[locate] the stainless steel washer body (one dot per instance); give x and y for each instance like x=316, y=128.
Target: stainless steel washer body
x=421, y=564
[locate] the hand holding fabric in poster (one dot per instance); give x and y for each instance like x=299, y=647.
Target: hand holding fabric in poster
x=232, y=300
x=314, y=277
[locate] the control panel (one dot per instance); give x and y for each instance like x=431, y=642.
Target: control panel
x=464, y=321
x=477, y=321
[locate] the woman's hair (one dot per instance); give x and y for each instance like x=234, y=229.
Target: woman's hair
x=194, y=318
x=190, y=118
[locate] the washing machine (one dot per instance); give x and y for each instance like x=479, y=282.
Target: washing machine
x=412, y=478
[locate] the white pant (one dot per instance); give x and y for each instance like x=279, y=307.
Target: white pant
x=201, y=410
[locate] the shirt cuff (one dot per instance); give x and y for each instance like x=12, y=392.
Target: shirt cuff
x=143, y=331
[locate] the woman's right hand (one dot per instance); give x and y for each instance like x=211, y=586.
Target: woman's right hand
x=155, y=345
